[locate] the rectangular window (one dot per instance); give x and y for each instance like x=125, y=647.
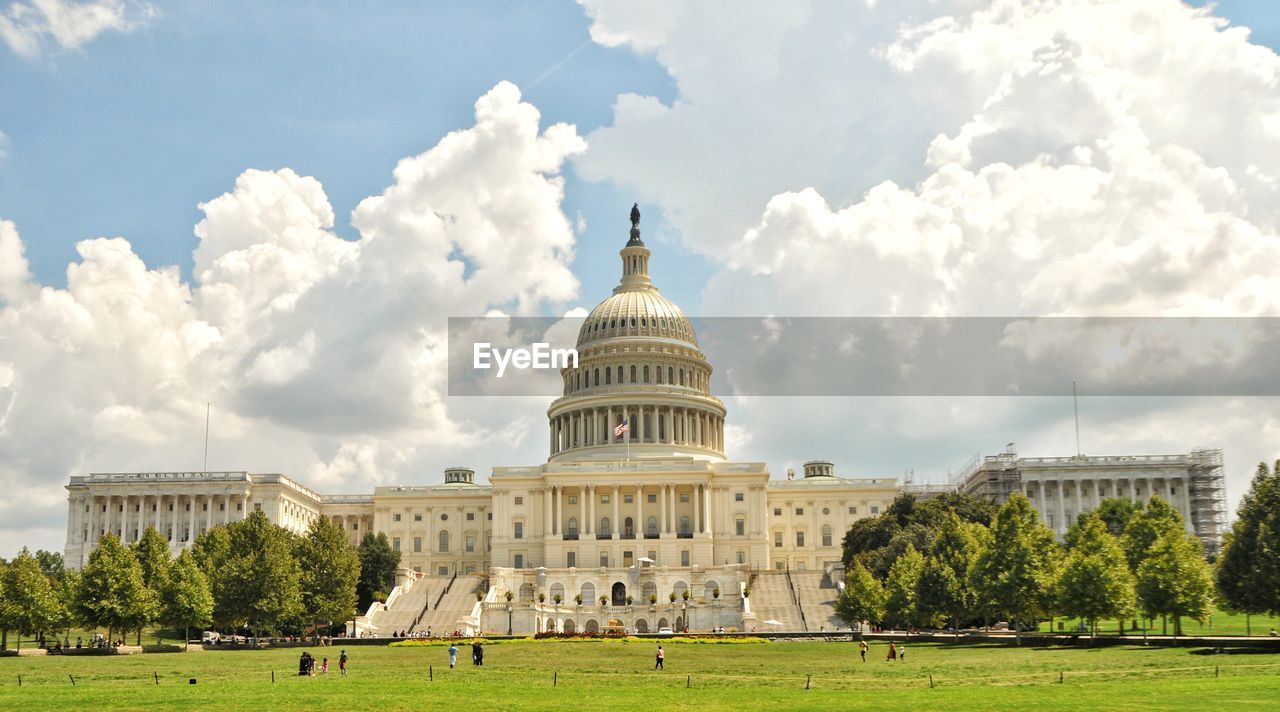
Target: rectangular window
x=654, y=556
x=740, y=527
x=627, y=558
x=395, y=543
x=777, y=539
x=604, y=558
x=684, y=498
x=799, y=511
x=653, y=498
x=471, y=516
x=418, y=569
x=799, y=539
x=519, y=528
x=875, y=510
x=684, y=557
x=573, y=499
x=853, y=510
x=826, y=538
x=738, y=497
x=627, y=499
x=395, y=517
x=519, y=501
x=742, y=557
x=777, y=511
x=417, y=517
x=222, y=507
x=518, y=562
x=490, y=516
x=417, y=545
x=471, y=542
x=604, y=499
x=571, y=559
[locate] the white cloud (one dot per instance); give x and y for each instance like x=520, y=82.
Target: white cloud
x=318, y=354
x=1068, y=157
x=27, y=26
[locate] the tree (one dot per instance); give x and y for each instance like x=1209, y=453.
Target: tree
x=900, y=589
x=1014, y=573
x=51, y=563
x=112, y=593
x=1248, y=572
x=152, y=552
x=1155, y=520
x=330, y=571
x=186, y=600
x=260, y=581
x=1175, y=580
x=944, y=589
x=1095, y=582
x=378, y=564
x=30, y=604
x=211, y=550
x=863, y=597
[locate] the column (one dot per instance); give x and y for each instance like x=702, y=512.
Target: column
x=588, y=509
x=617, y=523
x=706, y=509
x=1133, y=495
x=640, y=511
x=1185, y=504
x=109, y=513
x=1044, y=510
x=142, y=513
x=547, y=529
x=208, y=513
x=191, y=518
x=671, y=525
x=551, y=430
x=1062, y=515
x=1079, y=498
x=560, y=509
x=662, y=502
x=697, y=508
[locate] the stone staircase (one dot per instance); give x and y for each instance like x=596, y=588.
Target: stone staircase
x=445, y=612
x=817, y=596
x=771, y=599
x=404, y=609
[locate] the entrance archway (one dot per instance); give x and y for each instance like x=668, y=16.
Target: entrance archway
x=569, y=626
x=662, y=623
x=642, y=626
x=592, y=627
x=619, y=594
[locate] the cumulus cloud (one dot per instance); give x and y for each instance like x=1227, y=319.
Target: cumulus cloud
x=323, y=358
x=27, y=27
x=1068, y=157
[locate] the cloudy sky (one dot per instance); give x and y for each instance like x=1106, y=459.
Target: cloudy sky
x=274, y=208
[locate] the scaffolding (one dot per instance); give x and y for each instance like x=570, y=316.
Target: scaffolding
x=1207, y=488
x=993, y=477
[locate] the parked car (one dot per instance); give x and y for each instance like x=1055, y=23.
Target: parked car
x=666, y=631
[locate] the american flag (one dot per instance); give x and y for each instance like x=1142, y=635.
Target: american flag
x=621, y=428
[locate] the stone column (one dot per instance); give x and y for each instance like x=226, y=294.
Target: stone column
x=617, y=523
x=547, y=529
x=706, y=506
x=662, y=505
x=1044, y=509
x=1062, y=515
x=142, y=513
x=640, y=511
x=697, y=509
x=559, y=507
x=1079, y=497
x=191, y=518
x=587, y=507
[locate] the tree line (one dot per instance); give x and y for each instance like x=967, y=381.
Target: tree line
x=249, y=574
x=957, y=561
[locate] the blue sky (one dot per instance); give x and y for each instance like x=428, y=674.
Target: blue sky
x=792, y=158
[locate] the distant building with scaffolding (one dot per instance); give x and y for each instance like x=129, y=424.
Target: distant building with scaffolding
x=1062, y=487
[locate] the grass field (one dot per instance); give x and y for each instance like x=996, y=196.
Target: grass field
x=1219, y=623
x=519, y=675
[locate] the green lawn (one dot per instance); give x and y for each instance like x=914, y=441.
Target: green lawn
x=520, y=675
x=1220, y=623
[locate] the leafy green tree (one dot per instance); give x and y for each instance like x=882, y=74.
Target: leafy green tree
x=259, y=581
x=378, y=563
x=1095, y=582
x=51, y=563
x=211, y=551
x=1248, y=567
x=68, y=594
x=330, y=571
x=1155, y=520
x=863, y=597
x=1175, y=580
x=152, y=552
x=112, y=593
x=186, y=599
x=1013, y=575
x=30, y=604
x=944, y=589
x=900, y=589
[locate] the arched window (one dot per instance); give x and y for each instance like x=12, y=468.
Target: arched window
x=557, y=589
x=646, y=374
x=444, y=541
x=633, y=374
x=670, y=372
x=684, y=525
x=628, y=528
x=826, y=535
x=657, y=372
x=604, y=526
x=608, y=376
x=710, y=589
x=597, y=377
x=619, y=374
x=682, y=376
x=572, y=529
x=651, y=527
x=799, y=540
x=588, y=593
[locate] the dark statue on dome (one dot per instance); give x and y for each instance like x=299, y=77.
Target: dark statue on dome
x=635, y=214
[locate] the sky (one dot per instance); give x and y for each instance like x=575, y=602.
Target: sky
x=274, y=207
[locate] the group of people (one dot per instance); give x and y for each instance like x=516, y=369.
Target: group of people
x=897, y=651
x=307, y=664
x=477, y=654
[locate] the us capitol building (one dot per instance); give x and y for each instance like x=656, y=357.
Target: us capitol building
x=656, y=521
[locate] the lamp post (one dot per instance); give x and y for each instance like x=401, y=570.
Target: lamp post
x=509, y=619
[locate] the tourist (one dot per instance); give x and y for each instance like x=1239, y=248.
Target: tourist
x=661, y=657
x=902, y=652
x=480, y=654
x=475, y=652
x=342, y=663
x=862, y=649
x=324, y=667
x=893, y=652
x=453, y=655
x=1273, y=634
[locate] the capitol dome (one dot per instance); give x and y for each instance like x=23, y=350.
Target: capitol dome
x=638, y=363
